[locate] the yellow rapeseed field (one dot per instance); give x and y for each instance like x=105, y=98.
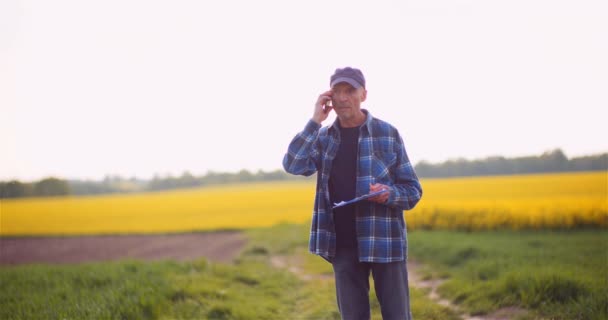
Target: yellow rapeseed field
x=563, y=200
x=208, y=208
x=567, y=200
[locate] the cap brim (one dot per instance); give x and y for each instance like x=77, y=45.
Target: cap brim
x=350, y=81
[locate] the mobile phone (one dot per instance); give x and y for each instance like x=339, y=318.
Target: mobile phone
x=327, y=106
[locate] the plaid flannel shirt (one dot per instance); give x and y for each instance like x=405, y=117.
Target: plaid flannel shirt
x=381, y=228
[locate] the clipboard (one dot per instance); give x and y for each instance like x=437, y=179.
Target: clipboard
x=357, y=199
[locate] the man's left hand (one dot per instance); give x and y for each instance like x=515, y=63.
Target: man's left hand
x=381, y=198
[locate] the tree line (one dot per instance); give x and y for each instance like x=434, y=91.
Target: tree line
x=53, y=186
x=550, y=161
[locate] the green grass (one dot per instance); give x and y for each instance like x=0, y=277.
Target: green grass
x=248, y=289
x=152, y=290
x=319, y=299
x=558, y=275
x=125, y=290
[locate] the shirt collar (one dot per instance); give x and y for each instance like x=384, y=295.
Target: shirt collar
x=367, y=125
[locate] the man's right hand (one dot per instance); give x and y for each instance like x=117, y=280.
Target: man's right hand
x=321, y=112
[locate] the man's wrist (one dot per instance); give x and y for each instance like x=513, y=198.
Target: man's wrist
x=312, y=125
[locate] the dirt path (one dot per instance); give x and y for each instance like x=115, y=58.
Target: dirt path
x=293, y=264
x=215, y=246
x=415, y=279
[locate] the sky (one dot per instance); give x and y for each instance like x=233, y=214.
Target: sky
x=144, y=87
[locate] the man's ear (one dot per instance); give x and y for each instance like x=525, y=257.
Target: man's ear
x=363, y=95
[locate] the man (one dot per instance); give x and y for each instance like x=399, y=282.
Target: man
x=357, y=155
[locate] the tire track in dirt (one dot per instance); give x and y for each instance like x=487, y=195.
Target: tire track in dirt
x=222, y=246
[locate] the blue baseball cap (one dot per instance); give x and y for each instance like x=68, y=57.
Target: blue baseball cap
x=352, y=76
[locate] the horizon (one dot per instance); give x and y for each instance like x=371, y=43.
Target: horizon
x=163, y=175
x=193, y=86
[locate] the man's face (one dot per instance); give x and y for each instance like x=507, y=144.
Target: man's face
x=346, y=100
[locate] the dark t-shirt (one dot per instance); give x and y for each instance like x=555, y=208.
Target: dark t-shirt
x=342, y=184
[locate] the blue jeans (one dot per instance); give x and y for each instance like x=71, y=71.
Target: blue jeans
x=352, y=287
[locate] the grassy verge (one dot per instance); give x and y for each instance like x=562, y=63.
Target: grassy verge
x=147, y=290
x=318, y=300
x=125, y=290
x=558, y=275
x=251, y=288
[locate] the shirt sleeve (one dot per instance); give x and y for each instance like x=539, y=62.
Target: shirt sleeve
x=303, y=154
x=406, y=191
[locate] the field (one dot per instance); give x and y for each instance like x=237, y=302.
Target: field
x=534, y=245
x=554, y=274
x=555, y=201
x=540, y=201
x=559, y=274
x=214, y=208
x=253, y=287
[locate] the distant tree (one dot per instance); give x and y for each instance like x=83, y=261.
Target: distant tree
x=276, y=175
x=245, y=175
x=159, y=183
x=590, y=162
x=554, y=160
x=550, y=161
x=78, y=187
x=188, y=180
x=15, y=189
x=51, y=187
